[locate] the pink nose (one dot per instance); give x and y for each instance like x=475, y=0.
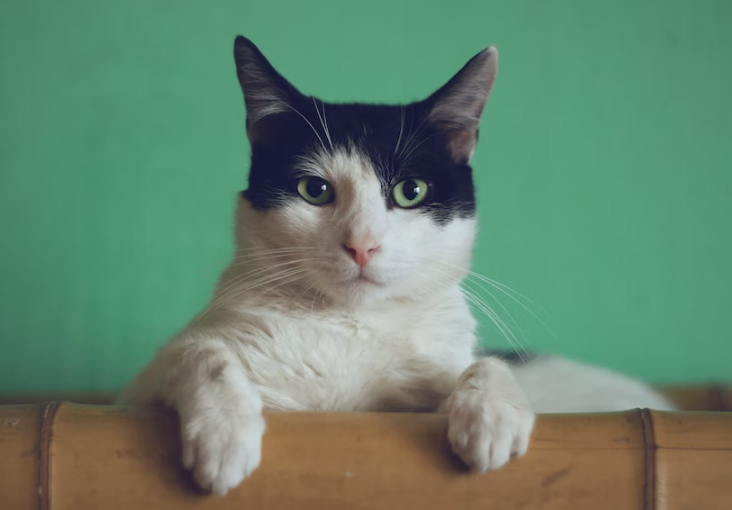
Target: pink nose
x=361, y=254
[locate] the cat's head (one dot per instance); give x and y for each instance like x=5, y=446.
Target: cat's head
x=361, y=202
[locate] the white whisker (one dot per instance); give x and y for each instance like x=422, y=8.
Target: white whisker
x=413, y=135
x=322, y=122
x=498, y=322
x=235, y=293
x=417, y=146
x=502, y=288
x=492, y=315
x=401, y=130
x=309, y=124
x=232, y=288
x=221, y=292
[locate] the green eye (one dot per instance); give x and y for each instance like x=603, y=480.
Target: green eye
x=315, y=190
x=410, y=193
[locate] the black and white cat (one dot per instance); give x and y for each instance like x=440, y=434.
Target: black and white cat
x=344, y=294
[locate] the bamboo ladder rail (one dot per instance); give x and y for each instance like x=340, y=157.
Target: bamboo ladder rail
x=64, y=456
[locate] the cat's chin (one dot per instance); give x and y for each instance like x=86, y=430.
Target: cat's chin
x=366, y=281
x=361, y=284
x=358, y=290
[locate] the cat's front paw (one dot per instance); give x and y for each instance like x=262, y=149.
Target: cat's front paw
x=222, y=448
x=486, y=431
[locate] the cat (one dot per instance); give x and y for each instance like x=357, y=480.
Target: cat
x=344, y=294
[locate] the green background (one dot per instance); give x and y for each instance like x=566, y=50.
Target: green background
x=603, y=169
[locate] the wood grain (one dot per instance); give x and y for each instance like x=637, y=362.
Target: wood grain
x=115, y=458
x=20, y=454
x=693, y=460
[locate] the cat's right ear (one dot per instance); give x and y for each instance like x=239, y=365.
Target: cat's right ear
x=456, y=108
x=266, y=93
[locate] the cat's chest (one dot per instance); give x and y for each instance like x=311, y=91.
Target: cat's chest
x=353, y=362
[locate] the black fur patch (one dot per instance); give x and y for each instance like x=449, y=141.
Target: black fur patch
x=399, y=140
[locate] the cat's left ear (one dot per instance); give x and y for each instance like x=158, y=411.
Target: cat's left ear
x=267, y=94
x=456, y=108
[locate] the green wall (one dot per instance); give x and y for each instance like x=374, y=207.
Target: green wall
x=603, y=170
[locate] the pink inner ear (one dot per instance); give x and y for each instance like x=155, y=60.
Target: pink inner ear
x=461, y=143
x=458, y=105
x=262, y=133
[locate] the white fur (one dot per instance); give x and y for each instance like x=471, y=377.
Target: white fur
x=489, y=418
x=303, y=328
x=557, y=385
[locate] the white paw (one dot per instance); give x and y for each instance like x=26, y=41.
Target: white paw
x=222, y=449
x=486, y=431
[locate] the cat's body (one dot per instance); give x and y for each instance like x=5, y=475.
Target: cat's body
x=303, y=354
x=352, y=241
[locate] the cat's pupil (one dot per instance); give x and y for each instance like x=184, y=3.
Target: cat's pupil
x=411, y=190
x=316, y=187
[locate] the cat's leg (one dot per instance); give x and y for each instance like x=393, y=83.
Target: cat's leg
x=220, y=410
x=489, y=417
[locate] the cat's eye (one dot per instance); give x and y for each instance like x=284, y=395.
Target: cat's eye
x=315, y=190
x=410, y=193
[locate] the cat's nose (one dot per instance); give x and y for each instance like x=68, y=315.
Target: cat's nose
x=360, y=253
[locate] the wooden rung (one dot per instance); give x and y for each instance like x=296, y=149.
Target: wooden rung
x=66, y=456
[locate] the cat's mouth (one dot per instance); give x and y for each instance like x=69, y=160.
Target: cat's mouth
x=367, y=279
x=362, y=278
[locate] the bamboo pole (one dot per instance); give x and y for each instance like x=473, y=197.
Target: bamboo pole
x=65, y=456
